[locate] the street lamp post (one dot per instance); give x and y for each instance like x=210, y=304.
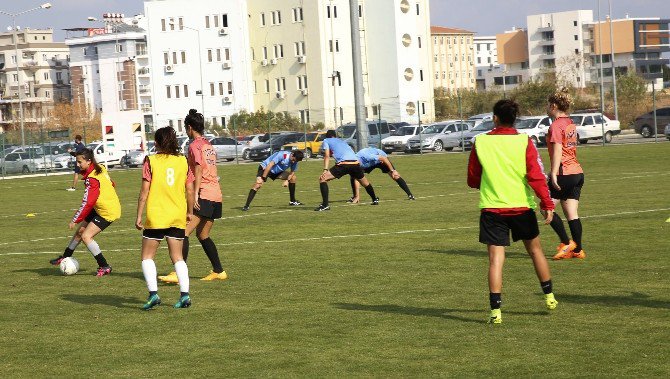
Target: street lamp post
x=16, y=55
x=202, y=84
x=616, y=104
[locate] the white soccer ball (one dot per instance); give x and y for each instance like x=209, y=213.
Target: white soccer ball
x=69, y=266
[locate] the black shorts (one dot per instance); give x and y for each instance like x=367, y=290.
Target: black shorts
x=571, y=187
x=97, y=220
x=282, y=175
x=494, y=229
x=208, y=209
x=160, y=234
x=355, y=170
x=380, y=166
x=77, y=170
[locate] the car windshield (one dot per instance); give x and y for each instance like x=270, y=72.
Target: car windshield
x=434, y=129
x=346, y=131
x=577, y=120
x=405, y=131
x=525, y=124
x=484, y=126
x=310, y=137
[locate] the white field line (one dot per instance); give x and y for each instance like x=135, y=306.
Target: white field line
x=322, y=238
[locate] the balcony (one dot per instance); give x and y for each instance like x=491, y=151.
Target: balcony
x=547, y=42
x=144, y=71
x=145, y=90
x=146, y=108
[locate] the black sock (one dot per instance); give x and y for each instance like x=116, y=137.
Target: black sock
x=353, y=186
x=102, y=262
x=495, y=300
x=324, y=193
x=252, y=193
x=182, y=294
x=291, y=191
x=212, y=253
x=151, y=293
x=68, y=252
x=371, y=191
x=184, y=249
x=576, y=231
x=401, y=182
x=546, y=287
x=557, y=225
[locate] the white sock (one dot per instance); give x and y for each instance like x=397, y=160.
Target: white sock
x=94, y=248
x=73, y=244
x=150, y=273
x=182, y=274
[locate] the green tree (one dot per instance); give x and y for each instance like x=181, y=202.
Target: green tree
x=632, y=97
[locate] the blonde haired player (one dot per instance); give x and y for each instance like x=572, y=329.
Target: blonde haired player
x=167, y=192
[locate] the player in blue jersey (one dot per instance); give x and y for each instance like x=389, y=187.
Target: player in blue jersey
x=346, y=163
x=276, y=166
x=372, y=158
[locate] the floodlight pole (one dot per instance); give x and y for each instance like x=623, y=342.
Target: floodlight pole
x=602, y=88
x=361, y=128
x=616, y=103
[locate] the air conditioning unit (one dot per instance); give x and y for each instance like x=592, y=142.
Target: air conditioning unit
x=273, y=61
x=226, y=65
x=223, y=32
x=227, y=99
x=280, y=95
x=304, y=91
x=302, y=59
x=264, y=62
x=169, y=68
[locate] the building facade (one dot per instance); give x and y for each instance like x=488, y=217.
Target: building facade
x=513, y=59
x=42, y=77
x=486, y=59
x=453, y=58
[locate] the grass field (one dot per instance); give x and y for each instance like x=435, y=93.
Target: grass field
x=396, y=290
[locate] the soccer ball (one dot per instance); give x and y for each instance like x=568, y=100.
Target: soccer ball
x=69, y=266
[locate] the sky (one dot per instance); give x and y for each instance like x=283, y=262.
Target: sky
x=485, y=17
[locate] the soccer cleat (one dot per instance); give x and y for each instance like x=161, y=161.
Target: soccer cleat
x=579, y=255
x=169, y=278
x=102, y=271
x=245, y=208
x=152, y=301
x=375, y=201
x=550, y=301
x=215, y=276
x=183, y=302
x=495, y=317
x=56, y=261
x=322, y=208
x=565, y=251
x=295, y=203
x=411, y=197
x=71, y=189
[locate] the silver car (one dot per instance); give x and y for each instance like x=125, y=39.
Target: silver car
x=469, y=137
x=226, y=148
x=136, y=158
x=440, y=136
x=18, y=162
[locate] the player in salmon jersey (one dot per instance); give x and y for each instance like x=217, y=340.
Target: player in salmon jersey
x=99, y=208
x=167, y=193
x=208, y=198
x=567, y=177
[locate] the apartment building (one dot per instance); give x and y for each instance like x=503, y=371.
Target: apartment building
x=453, y=58
x=199, y=58
x=513, y=59
x=42, y=78
x=302, y=59
x=486, y=58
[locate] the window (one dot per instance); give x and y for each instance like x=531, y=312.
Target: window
x=218, y=55
x=302, y=82
x=207, y=22
x=276, y=17
x=576, y=51
x=230, y=88
x=304, y=117
x=185, y=90
x=299, y=48
x=279, y=51
x=171, y=23
x=574, y=23
x=255, y=88
x=59, y=76
x=221, y=88
x=209, y=55
x=226, y=54
x=265, y=52
x=46, y=76
x=169, y=92
x=262, y=19
x=421, y=75
x=176, y=92
x=419, y=40
x=183, y=57
x=47, y=94
x=297, y=14
x=267, y=86
x=211, y=89
x=334, y=45
x=253, y=54
x=418, y=9
x=181, y=23
x=224, y=20
x=576, y=37
x=162, y=24
x=334, y=11
x=174, y=57
x=216, y=21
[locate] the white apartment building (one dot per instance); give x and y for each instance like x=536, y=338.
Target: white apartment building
x=42, y=76
x=486, y=58
x=199, y=58
x=556, y=45
x=453, y=58
x=302, y=59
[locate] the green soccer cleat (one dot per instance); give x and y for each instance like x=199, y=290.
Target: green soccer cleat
x=550, y=301
x=152, y=301
x=183, y=302
x=495, y=317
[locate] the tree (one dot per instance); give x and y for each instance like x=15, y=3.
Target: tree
x=262, y=121
x=632, y=97
x=76, y=119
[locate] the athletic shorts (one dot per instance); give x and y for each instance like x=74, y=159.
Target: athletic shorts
x=77, y=170
x=208, y=209
x=571, y=187
x=282, y=175
x=380, y=166
x=494, y=228
x=97, y=220
x=355, y=170
x=160, y=234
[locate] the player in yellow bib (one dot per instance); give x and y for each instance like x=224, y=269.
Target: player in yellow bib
x=167, y=193
x=99, y=208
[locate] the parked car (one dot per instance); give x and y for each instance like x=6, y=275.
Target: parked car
x=18, y=162
x=311, y=147
x=667, y=132
x=104, y=154
x=248, y=142
x=644, y=124
x=378, y=130
x=441, y=136
x=260, y=152
x=136, y=158
x=479, y=118
x=397, y=141
x=40, y=160
x=535, y=127
x=469, y=137
x=393, y=126
x=590, y=127
x=226, y=148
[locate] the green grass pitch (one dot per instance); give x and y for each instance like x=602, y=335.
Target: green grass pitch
x=396, y=290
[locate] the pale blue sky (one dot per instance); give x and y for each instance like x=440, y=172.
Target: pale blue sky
x=486, y=17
